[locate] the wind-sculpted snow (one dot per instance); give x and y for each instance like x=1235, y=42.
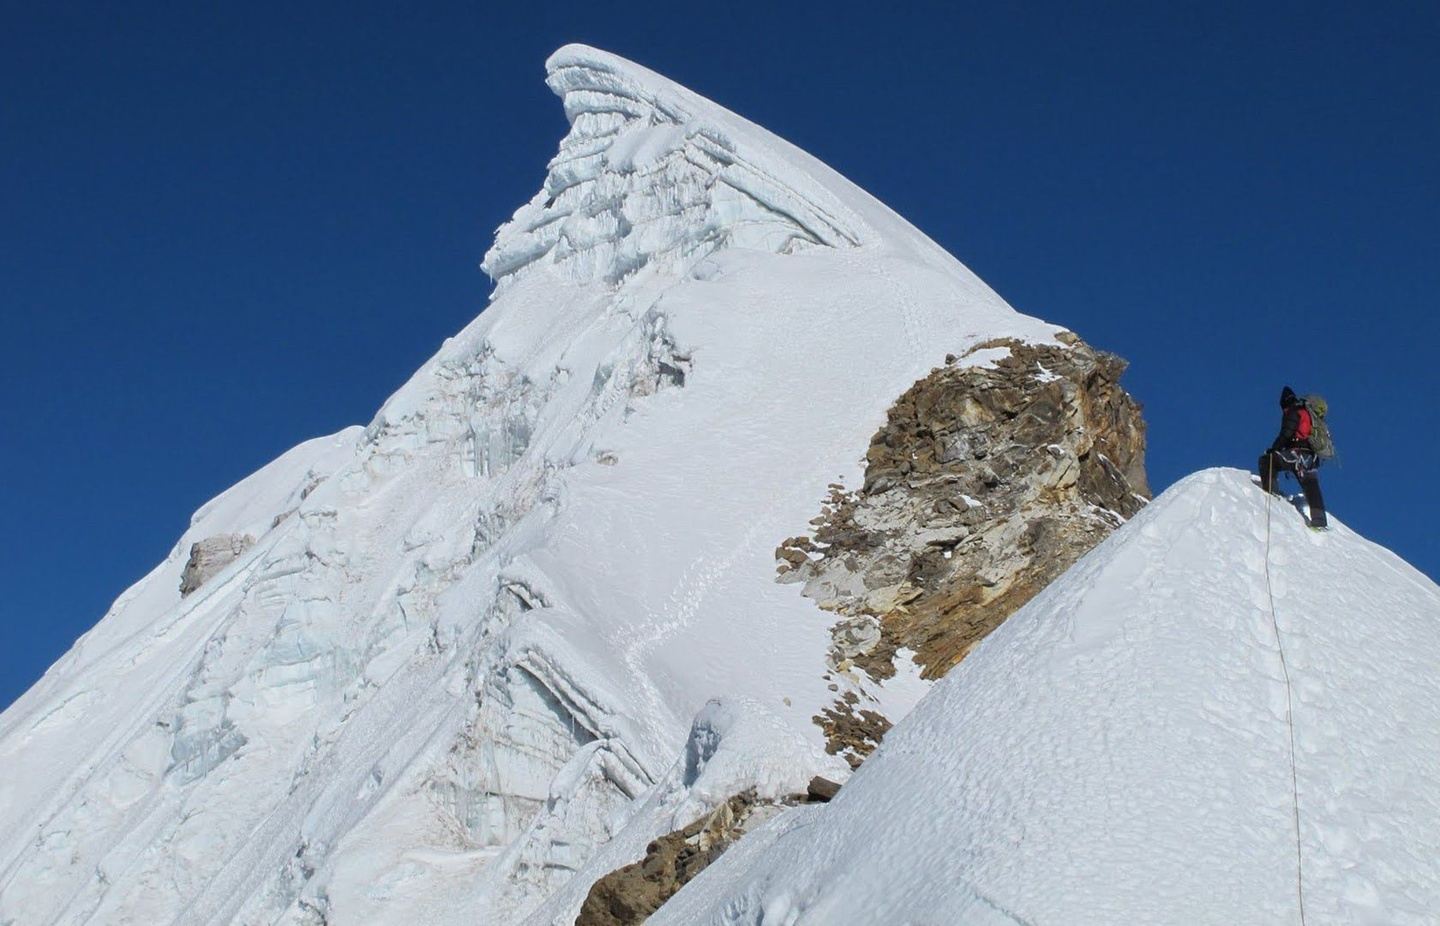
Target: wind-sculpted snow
x=1118, y=751
x=652, y=174
x=465, y=650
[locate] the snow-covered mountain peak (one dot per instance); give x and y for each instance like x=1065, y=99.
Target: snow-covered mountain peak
x=445, y=668
x=654, y=176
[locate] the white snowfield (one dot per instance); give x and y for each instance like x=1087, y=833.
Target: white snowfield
x=467, y=665
x=1118, y=751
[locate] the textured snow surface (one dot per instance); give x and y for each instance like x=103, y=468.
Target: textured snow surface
x=461, y=669
x=1118, y=751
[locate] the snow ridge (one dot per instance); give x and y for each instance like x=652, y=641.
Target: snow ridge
x=1118, y=750
x=1289, y=716
x=652, y=175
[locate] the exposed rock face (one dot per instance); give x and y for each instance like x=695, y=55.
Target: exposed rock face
x=822, y=790
x=211, y=555
x=629, y=895
x=991, y=476
x=851, y=730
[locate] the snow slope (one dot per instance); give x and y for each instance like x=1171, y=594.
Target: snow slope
x=468, y=647
x=1119, y=752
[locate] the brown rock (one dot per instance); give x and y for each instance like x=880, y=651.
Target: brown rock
x=629, y=895
x=985, y=483
x=822, y=790
x=852, y=732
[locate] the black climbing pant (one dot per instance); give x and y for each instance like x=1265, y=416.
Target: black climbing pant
x=1301, y=465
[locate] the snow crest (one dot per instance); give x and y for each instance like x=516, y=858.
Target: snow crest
x=651, y=175
x=1118, y=750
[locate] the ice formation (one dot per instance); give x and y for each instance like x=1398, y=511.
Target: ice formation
x=652, y=174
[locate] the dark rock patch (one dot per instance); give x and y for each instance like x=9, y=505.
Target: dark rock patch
x=629, y=895
x=209, y=556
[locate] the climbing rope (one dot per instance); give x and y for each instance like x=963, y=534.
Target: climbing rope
x=1289, y=703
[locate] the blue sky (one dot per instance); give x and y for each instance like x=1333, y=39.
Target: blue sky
x=225, y=231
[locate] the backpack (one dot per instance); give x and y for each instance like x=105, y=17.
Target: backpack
x=1319, y=436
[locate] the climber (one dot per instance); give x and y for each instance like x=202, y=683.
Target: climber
x=1292, y=453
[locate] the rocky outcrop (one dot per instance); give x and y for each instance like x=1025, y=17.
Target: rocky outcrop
x=990, y=477
x=822, y=790
x=209, y=556
x=629, y=895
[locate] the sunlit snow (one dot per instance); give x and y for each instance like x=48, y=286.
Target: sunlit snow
x=470, y=642
x=1118, y=751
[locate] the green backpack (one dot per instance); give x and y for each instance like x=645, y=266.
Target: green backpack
x=1320, y=440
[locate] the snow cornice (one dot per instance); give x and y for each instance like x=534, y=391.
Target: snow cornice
x=654, y=176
